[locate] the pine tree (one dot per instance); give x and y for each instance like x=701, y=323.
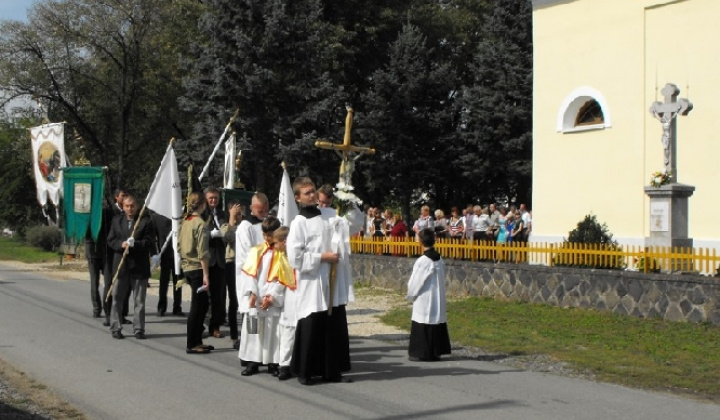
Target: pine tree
x=497, y=106
x=407, y=121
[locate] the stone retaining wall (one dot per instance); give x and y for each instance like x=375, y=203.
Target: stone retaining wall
x=674, y=297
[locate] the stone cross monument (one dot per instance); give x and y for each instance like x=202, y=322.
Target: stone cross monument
x=666, y=112
x=346, y=151
x=669, y=203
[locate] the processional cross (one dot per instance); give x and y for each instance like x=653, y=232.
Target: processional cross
x=665, y=112
x=346, y=151
x=348, y=155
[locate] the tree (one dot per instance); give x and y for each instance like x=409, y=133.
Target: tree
x=270, y=60
x=408, y=120
x=109, y=70
x=496, y=126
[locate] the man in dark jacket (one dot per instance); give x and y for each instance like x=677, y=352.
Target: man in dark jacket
x=136, y=241
x=163, y=227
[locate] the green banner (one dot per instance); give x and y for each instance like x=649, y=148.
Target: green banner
x=83, y=188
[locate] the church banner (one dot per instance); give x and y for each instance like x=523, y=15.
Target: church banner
x=84, y=190
x=48, y=148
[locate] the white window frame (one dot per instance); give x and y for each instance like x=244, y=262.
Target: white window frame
x=570, y=107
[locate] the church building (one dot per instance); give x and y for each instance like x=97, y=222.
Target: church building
x=599, y=66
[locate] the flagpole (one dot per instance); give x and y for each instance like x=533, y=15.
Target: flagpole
x=132, y=235
x=217, y=146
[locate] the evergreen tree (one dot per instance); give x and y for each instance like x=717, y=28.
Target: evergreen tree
x=407, y=121
x=496, y=125
x=270, y=60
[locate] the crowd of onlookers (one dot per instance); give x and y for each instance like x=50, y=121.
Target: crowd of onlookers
x=501, y=224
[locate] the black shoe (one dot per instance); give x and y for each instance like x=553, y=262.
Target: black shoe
x=273, y=369
x=140, y=335
x=236, y=344
x=126, y=321
x=197, y=350
x=106, y=323
x=306, y=381
x=118, y=335
x=179, y=312
x=96, y=314
x=251, y=369
x=161, y=313
x=284, y=374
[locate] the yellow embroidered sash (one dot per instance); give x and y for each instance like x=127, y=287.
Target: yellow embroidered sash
x=252, y=263
x=281, y=271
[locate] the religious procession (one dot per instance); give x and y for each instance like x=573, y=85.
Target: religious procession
x=279, y=280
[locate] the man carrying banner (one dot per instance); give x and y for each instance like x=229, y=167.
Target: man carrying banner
x=133, y=274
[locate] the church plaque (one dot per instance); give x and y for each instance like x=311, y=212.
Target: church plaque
x=659, y=216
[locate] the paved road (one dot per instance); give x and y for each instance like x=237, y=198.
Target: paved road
x=46, y=330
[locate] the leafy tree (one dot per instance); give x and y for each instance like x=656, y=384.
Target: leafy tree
x=496, y=126
x=407, y=120
x=109, y=70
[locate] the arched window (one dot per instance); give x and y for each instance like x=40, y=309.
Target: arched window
x=583, y=109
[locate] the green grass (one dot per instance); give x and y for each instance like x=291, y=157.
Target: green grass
x=15, y=250
x=644, y=353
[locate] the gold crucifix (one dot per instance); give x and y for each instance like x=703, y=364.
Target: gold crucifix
x=346, y=150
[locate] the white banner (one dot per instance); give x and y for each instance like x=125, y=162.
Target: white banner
x=165, y=197
x=48, y=151
x=229, y=179
x=287, y=207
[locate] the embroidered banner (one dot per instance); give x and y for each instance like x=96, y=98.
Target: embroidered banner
x=48, y=148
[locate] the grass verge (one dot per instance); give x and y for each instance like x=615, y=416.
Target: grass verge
x=13, y=249
x=29, y=395
x=644, y=353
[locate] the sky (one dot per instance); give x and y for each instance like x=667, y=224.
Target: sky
x=15, y=9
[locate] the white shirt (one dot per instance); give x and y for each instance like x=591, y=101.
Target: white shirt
x=426, y=288
x=307, y=240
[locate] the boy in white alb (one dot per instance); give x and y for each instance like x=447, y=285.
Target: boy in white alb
x=265, y=299
x=429, y=336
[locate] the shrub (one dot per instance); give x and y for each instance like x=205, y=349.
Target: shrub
x=593, y=236
x=653, y=266
x=48, y=238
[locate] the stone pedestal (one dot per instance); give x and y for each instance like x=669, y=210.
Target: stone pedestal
x=669, y=218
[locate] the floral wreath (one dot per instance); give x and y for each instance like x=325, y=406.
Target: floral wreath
x=659, y=179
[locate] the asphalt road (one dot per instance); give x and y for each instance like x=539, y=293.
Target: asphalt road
x=46, y=331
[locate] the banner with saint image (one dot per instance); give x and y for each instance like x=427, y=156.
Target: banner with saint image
x=48, y=149
x=84, y=187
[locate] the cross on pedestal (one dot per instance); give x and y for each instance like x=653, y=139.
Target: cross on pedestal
x=665, y=112
x=347, y=152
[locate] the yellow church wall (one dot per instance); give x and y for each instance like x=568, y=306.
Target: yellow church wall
x=613, y=46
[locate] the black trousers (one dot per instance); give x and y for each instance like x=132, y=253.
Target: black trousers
x=232, y=295
x=217, y=297
x=96, y=267
x=166, y=272
x=198, y=308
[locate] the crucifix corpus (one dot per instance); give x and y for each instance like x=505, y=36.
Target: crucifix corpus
x=346, y=151
x=665, y=112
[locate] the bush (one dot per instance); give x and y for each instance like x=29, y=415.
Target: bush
x=653, y=266
x=588, y=232
x=48, y=238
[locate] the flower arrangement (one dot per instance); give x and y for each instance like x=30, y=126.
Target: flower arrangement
x=659, y=179
x=345, y=198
